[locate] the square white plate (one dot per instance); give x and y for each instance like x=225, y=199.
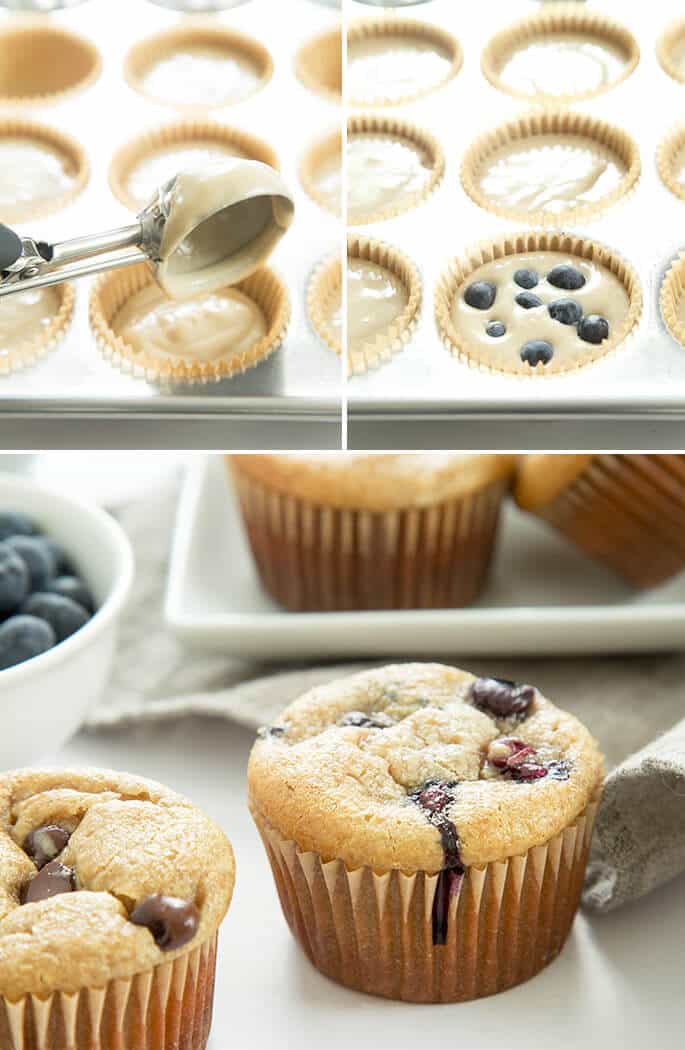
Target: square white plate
x=543, y=597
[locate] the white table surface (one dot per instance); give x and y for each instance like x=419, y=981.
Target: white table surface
x=617, y=984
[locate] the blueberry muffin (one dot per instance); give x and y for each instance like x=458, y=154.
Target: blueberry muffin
x=427, y=830
x=626, y=511
x=345, y=531
x=112, y=890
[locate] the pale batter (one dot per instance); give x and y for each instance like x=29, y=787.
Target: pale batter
x=32, y=172
x=376, y=298
x=563, y=65
x=25, y=316
x=391, y=67
x=327, y=179
x=161, y=165
x=550, y=173
x=602, y=295
x=205, y=329
x=384, y=171
x=202, y=76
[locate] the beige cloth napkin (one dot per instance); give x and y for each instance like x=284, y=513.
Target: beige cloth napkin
x=631, y=704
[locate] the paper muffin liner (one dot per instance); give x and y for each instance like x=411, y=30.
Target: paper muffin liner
x=372, y=930
x=147, y=52
x=321, y=151
x=459, y=271
x=671, y=298
x=45, y=340
x=325, y=286
x=670, y=149
x=112, y=290
x=381, y=348
x=668, y=42
x=73, y=61
x=561, y=122
x=71, y=152
x=426, y=143
x=318, y=65
x=181, y=133
x=388, y=26
x=313, y=558
x=628, y=512
x=166, y=1008
x=563, y=18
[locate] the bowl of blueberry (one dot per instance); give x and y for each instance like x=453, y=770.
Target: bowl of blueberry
x=66, y=569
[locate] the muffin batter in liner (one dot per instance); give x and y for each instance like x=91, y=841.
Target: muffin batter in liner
x=146, y=54
x=183, y=133
x=426, y=144
x=560, y=123
x=43, y=63
x=323, y=293
x=111, y=291
x=381, y=348
x=670, y=159
x=672, y=299
x=318, y=65
x=458, y=272
x=323, y=151
x=565, y=19
x=424, y=32
x=55, y=142
x=30, y=351
x=669, y=44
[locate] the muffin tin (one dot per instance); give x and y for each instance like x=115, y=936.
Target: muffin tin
x=301, y=382
x=645, y=377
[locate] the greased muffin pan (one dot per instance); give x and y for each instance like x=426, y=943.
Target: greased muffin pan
x=448, y=229
x=301, y=380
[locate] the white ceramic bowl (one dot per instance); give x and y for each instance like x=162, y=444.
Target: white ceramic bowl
x=43, y=701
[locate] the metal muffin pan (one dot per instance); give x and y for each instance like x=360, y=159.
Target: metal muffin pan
x=302, y=381
x=645, y=377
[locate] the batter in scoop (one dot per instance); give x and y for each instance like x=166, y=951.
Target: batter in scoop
x=153, y=170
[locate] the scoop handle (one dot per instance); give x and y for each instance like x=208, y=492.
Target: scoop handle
x=10, y=247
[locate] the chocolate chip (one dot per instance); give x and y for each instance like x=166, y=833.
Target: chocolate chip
x=53, y=879
x=361, y=720
x=502, y=698
x=171, y=921
x=45, y=843
x=480, y=295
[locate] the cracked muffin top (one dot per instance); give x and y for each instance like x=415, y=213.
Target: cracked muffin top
x=102, y=876
x=422, y=767
x=375, y=482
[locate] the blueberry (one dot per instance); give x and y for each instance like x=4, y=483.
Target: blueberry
x=39, y=559
x=537, y=352
x=72, y=587
x=22, y=637
x=502, y=698
x=63, y=564
x=496, y=329
x=480, y=295
x=526, y=278
x=64, y=615
x=13, y=523
x=528, y=301
x=593, y=329
x=14, y=579
x=567, y=277
x=566, y=311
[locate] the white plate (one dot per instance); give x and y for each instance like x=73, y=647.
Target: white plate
x=543, y=597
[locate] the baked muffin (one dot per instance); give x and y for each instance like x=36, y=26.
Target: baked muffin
x=625, y=511
x=427, y=830
x=357, y=531
x=112, y=889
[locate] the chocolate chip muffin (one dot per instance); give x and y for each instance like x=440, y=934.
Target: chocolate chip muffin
x=349, y=531
x=626, y=511
x=427, y=830
x=112, y=890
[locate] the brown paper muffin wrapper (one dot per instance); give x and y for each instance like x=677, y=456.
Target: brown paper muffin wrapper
x=112, y=290
x=73, y=157
x=459, y=271
x=167, y=1008
x=670, y=157
x=426, y=32
x=323, y=292
x=627, y=512
x=148, y=52
x=29, y=352
x=322, y=151
x=423, y=141
x=313, y=558
x=183, y=133
x=46, y=63
x=382, y=347
x=372, y=931
x=318, y=65
x=564, y=123
x=666, y=48
x=564, y=18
